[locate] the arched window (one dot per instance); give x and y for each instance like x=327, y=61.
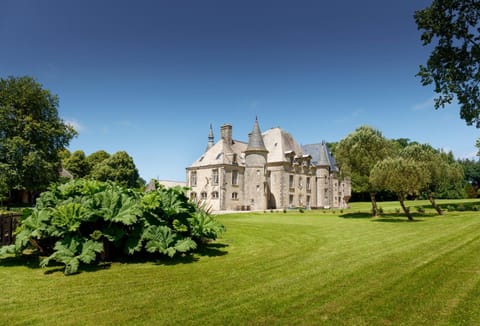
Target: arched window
x=234, y=195
x=193, y=195
x=215, y=195
x=203, y=195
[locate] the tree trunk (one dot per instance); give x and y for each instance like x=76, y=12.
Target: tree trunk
x=434, y=205
x=374, y=204
x=405, y=209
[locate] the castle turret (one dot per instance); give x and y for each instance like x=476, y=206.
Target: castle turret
x=256, y=189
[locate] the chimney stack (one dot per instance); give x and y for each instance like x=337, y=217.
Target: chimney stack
x=226, y=133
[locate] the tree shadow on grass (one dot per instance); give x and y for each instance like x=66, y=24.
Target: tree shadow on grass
x=357, y=215
x=213, y=250
x=394, y=220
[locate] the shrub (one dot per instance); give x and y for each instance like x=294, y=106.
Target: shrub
x=301, y=210
x=461, y=208
x=397, y=210
x=475, y=208
x=451, y=208
x=82, y=221
x=420, y=209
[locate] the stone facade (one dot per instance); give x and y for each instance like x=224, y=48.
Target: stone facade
x=270, y=171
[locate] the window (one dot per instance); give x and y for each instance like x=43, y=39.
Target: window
x=290, y=200
x=308, y=184
x=193, y=178
x=234, y=195
x=193, y=195
x=308, y=201
x=291, y=183
x=203, y=195
x=300, y=182
x=215, y=195
x=300, y=200
x=235, y=177
x=215, y=177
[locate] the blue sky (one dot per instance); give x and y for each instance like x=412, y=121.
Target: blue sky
x=149, y=77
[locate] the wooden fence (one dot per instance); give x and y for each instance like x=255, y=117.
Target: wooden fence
x=8, y=224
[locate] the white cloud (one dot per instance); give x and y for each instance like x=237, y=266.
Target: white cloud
x=76, y=125
x=427, y=104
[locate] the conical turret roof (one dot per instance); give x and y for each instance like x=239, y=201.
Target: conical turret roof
x=211, y=139
x=255, y=139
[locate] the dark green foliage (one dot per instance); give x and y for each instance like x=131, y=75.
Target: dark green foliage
x=77, y=164
x=84, y=220
x=31, y=135
x=420, y=209
x=452, y=26
x=119, y=168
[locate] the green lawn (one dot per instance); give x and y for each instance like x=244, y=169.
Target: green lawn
x=274, y=268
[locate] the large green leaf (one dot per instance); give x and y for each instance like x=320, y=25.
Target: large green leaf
x=118, y=207
x=204, y=226
x=68, y=217
x=160, y=239
x=71, y=251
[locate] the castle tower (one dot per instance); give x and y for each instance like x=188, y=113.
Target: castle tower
x=324, y=180
x=211, y=139
x=256, y=188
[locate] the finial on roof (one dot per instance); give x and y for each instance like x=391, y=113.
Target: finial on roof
x=211, y=139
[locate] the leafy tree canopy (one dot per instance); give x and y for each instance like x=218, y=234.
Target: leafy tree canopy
x=453, y=67
x=31, y=136
x=77, y=164
x=401, y=176
x=444, y=176
x=358, y=153
x=97, y=157
x=119, y=168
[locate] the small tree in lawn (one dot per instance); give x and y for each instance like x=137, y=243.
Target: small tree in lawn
x=402, y=176
x=442, y=174
x=358, y=153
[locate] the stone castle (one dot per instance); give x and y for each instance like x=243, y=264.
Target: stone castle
x=270, y=171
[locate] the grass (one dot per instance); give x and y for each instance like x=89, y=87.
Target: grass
x=274, y=268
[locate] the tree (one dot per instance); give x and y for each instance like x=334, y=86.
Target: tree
x=31, y=136
x=97, y=157
x=442, y=175
x=402, y=176
x=454, y=64
x=119, y=168
x=472, y=173
x=358, y=153
x=77, y=164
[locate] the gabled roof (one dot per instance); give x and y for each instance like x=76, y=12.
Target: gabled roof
x=321, y=155
x=222, y=153
x=280, y=144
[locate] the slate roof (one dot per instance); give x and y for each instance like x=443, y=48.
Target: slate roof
x=255, y=139
x=321, y=155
